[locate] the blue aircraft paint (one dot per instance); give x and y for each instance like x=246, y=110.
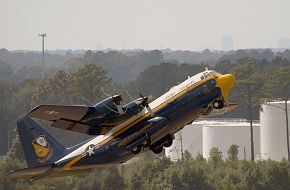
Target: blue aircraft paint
x=178, y=112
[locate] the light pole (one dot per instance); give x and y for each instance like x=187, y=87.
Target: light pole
x=181, y=144
x=43, y=36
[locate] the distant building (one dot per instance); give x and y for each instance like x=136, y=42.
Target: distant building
x=270, y=139
x=273, y=130
x=227, y=43
x=99, y=46
x=284, y=43
x=201, y=136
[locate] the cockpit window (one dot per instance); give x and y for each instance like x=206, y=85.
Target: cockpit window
x=207, y=74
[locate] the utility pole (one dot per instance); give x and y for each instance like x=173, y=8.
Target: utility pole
x=181, y=145
x=287, y=128
x=251, y=124
x=42, y=73
x=245, y=156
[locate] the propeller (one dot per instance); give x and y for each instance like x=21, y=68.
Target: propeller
x=146, y=104
x=117, y=101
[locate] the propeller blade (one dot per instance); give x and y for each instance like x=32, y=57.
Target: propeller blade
x=150, y=110
x=146, y=104
x=128, y=94
x=120, y=110
x=105, y=92
x=140, y=94
x=145, y=101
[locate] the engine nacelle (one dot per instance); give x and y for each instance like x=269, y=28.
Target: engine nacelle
x=148, y=128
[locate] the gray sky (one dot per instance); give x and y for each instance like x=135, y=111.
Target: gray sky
x=148, y=24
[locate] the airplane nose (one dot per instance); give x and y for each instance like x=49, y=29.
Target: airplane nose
x=225, y=82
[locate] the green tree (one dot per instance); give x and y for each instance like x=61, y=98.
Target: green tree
x=86, y=83
x=278, y=87
x=7, y=111
x=248, y=89
x=54, y=90
x=187, y=155
x=233, y=152
x=16, y=152
x=215, y=155
x=199, y=157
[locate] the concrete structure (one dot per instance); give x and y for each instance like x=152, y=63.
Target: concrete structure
x=273, y=130
x=191, y=137
x=224, y=134
x=202, y=135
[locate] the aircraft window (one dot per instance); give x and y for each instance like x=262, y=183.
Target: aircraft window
x=208, y=74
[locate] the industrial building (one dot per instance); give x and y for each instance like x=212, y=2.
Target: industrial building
x=273, y=130
x=269, y=135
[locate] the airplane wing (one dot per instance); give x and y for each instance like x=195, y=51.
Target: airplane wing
x=56, y=112
x=79, y=127
x=84, y=119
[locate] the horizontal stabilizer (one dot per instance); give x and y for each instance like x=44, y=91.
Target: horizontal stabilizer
x=27, y=172
x=37, y=173
x=55, y=112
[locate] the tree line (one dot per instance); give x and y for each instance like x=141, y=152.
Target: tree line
x=161, y=173
x=256, y=80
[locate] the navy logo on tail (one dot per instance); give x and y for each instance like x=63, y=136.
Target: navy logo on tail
x=42, y=149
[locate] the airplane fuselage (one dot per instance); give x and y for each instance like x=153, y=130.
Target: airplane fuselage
x=172, y=111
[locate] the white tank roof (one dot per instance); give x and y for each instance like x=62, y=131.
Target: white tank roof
x=222, y=122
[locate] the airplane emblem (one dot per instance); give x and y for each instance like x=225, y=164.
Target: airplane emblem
x=90, y=150
x=51, y=112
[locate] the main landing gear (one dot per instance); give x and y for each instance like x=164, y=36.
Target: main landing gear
x=138, y=149
x=157, y=149
x=166, y=143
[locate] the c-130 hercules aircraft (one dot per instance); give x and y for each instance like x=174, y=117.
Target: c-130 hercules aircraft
x=121, y=132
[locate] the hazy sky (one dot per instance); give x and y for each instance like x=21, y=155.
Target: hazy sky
x=149, y=24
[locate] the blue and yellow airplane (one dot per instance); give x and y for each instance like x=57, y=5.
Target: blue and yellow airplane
x=120, y=132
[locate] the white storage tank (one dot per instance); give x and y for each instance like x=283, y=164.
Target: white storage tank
x=223, y=134
x=273, y=130
x=191, y=136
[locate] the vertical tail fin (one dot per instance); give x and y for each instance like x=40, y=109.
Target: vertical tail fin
x=39, y=147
